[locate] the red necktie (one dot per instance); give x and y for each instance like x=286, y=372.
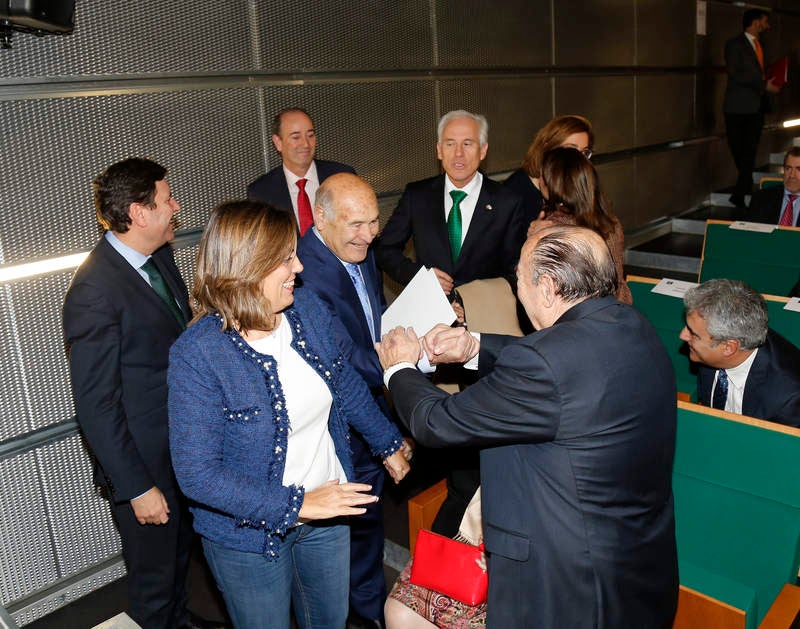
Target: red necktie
x=304, y=207
x=787, y=218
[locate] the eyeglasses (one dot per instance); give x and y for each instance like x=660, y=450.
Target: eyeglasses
x=587, y=153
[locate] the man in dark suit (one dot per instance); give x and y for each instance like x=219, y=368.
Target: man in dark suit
x=292, y=186
x=339, y=266
x=577, y=428
x=464, y=225
x=745, y=367
x=780, y=205
x=746, y=98
x=125, y=306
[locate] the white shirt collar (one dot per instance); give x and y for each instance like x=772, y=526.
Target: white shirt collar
x=132, y=257
x=292, y=179
x=471, y=188
x=738, y=374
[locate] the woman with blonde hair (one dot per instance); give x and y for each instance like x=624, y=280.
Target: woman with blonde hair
x=260, y=403
x=570, y=131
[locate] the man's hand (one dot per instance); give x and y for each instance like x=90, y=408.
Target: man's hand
x=444, y=344
x=399, y=346
x=151, y=507
x=407, y=448
x=397, y=465
x=445, y=281
x=771, y=87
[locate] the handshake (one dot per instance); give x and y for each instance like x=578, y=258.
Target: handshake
x=442, y=344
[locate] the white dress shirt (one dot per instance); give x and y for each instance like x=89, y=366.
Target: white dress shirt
x=312, y=185
x=737, y=379
x=473, y=190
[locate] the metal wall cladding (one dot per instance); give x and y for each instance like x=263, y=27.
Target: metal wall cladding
x=298, y=36
x=665, y=108
x=665, y=32
x=595, y=33
x=27, y=560
x=186, y=259
x=682, y=170
x=515, y=109
x=82, y=528
x=14, y=414
x=210, y=141
x=608, y=101
x=618, y=181
x=36, y=305
x=514, y=33
x=118, y=37
x=386, y=130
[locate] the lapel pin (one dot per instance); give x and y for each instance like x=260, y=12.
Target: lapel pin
x=489, y=207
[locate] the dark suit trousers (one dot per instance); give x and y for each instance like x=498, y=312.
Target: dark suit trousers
x=157, y=558
x=744, y=132
x=367, y=583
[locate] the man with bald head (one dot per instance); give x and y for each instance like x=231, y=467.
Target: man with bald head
x=576, y=424
x=340, y=268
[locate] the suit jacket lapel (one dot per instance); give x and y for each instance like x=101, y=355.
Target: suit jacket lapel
x=756, y=380
x=438, y=223
x=286, y=198
x=137, y=283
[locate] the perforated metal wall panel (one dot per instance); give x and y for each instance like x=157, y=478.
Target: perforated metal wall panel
x=515, y=109
x=186, y=259
x=607, y=101
x=27, y=562
x=14, y=415
x=473, y=33
x=117, y=37
x=605, y=28
x=36, y=304
x=664, y=111
x=83, y=530
x=665, y=32
x=385, y=130
x=209, y=140
x=294, y=35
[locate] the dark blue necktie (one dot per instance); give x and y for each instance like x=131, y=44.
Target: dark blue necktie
x=720, y=390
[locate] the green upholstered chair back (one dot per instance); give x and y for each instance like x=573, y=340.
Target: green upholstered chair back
x=737, y=507
x=768, y=262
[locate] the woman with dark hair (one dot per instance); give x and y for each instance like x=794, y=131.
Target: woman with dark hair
x=260, y=401
x=569, y=131
x=572, y=193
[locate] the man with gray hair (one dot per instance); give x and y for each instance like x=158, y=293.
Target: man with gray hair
x=340, y=268
x=576, y=423
x=464, y=225
x=745, y=367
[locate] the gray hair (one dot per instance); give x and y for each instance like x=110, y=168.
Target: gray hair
x=731, y=310
x=324, y=199
x=483, y=124
x=578, y=269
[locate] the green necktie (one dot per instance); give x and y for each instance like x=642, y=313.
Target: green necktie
x=454, y=223
x=158, y=284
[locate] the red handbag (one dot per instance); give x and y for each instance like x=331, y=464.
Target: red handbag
x=455, y=569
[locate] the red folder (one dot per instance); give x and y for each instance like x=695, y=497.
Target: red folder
x=779, y=72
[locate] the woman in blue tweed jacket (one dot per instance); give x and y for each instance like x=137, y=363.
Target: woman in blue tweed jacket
x=260, y=401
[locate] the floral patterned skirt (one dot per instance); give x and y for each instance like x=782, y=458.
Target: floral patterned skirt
x=441, y=610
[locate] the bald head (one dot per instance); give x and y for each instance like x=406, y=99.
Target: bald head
x=561, y=266
x=346, y=215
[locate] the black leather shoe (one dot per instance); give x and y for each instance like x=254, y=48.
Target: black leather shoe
x=197, y=622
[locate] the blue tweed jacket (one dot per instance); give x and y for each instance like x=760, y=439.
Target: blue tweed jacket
x=228, y=425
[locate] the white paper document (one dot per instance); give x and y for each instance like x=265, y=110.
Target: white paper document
x=793, y=304
x=421, y=305
x=764, y=228
x=673, y=288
